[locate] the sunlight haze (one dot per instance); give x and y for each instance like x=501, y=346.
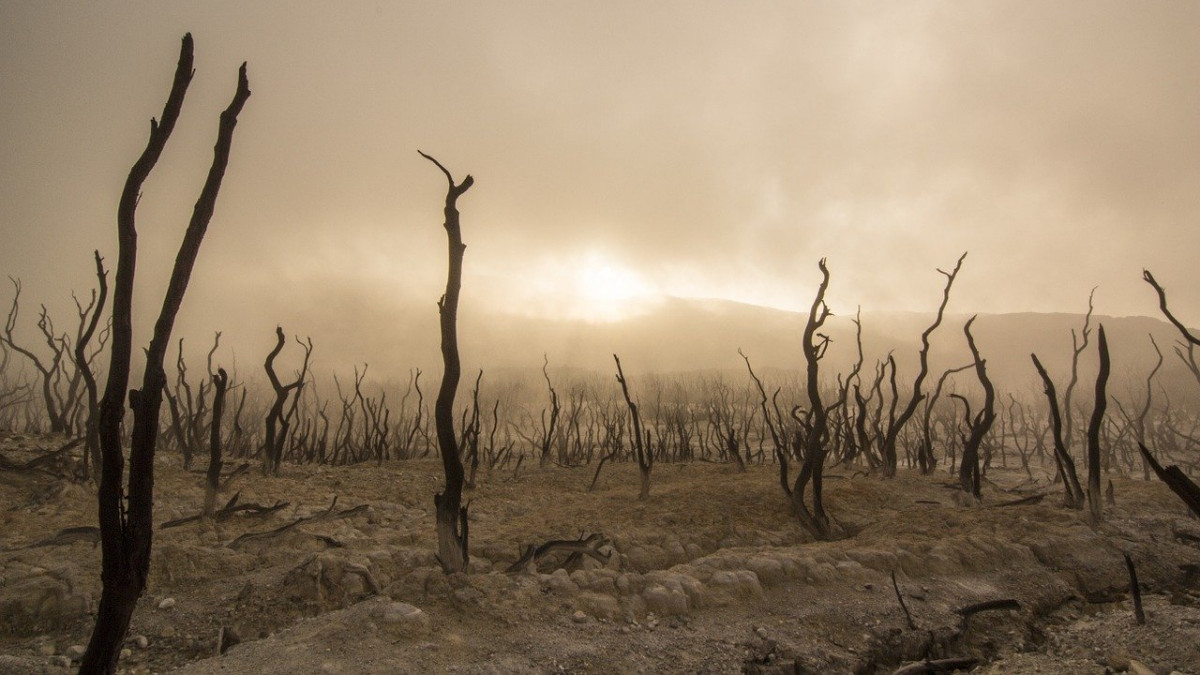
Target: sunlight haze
x=623, y=153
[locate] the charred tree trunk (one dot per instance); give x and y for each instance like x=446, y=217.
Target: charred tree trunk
x=276, y=423
x=54, y=413
x=91, y=447
x=895, y=424
x=548, y=429
x=453, y=545
x=127, y=533
x=817, y=424
x=1183, y=487
x=968, y=470
x=1190, y=341
x=1095, y=498
x=1062, y=457
x=645, y=458
x=212, y=479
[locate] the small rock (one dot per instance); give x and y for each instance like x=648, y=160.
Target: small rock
x=401, y=618
x=140, y=641
x=169, y=631
x=61, y=661
x=46, y=649
x=1118, y=661
x=75, y=652
x=1138, y=668
x=167, y=603
x=579, y=616
x=126, y=653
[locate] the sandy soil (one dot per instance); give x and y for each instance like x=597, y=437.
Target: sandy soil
x=711, y=575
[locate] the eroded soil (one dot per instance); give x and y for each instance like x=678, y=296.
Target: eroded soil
x=711, y=574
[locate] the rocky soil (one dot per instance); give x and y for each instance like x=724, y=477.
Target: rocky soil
x=710, y=575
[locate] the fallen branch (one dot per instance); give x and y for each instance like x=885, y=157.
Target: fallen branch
x=245, y=466
x=938, y=666
x=41, y=462
x=1024, y=501
x=588, y=546
x=230, y=508
x=66, y=536
x=907, y=615
x=969, y=610
x=327, y=514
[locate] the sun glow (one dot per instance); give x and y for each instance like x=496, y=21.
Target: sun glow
x=604, y=290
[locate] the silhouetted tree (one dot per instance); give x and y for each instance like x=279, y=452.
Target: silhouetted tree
x=815, y=423
x=1062, y=455
x=91, y=447
x=127, y=530
x=453, y=544
x=896, y=423
x=1095, y=499
x=1190, y=340
x=1079, y=343
x=212, y=480
x=979, y=425
x=645, y=458
x=277, y=423
x=49, y=372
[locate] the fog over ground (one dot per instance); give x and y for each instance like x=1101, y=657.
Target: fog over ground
x=623, y=151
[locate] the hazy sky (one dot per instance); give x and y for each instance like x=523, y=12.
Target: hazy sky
x=620, y=149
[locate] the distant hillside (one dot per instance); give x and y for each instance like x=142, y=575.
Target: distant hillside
x=682, y=335
x=691, y=335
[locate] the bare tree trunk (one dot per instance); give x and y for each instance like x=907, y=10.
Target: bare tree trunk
x=453, y=544
x=91, y=448
x=645, y=458
x=1062, y=456
x=1095, y=499
x=817, y=423
x=1078, y=344
x=897, y=423
x=968, y=470
x=212, y=480
x=276, y=423
x=127, y=534
x=1190, y=340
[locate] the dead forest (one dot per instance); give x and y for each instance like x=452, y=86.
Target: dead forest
x=802, y=433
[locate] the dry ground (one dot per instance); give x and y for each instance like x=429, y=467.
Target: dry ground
x=711, y=574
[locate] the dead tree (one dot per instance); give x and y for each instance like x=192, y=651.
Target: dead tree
x=816, y=422
x=1139, y=422
x=548, y=429
x=49, y=373
x=895, y=424
x=127, y=530
x=453, y=545
x=968, y=470
x=91, y=447
x=276, y=423
x=212, y=480
x=1190, y=341
x=1183, y=487
x=1062, y=455
x=1095, y=499
x=926, y=462
x=645, y=458
x=1079, y=343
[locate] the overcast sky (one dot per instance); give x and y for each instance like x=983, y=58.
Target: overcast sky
x=620, y=149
